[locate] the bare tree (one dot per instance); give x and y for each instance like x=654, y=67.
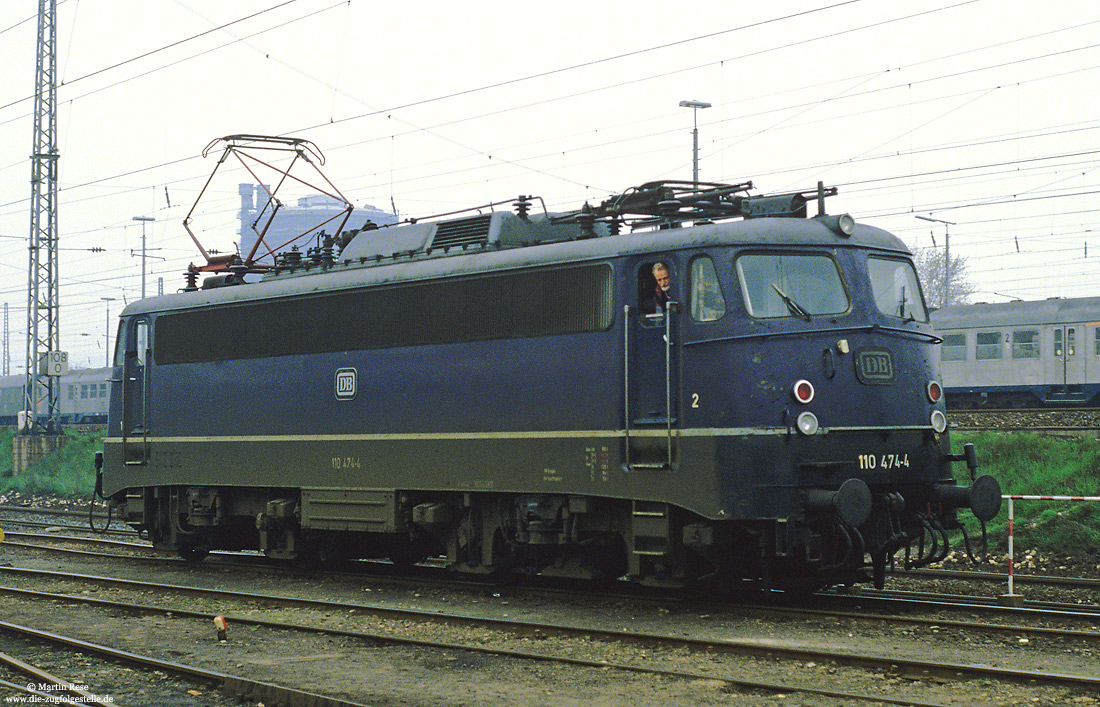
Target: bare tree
x=932, y=270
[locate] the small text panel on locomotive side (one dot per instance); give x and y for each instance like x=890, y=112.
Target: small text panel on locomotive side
x=883, y=461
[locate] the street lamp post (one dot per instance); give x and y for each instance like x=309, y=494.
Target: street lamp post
x=144, y=220
x=107, y=331
x=946, y=255
x=694, y=106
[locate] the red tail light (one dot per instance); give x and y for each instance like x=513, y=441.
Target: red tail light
x=803, y=391
x=935, y=392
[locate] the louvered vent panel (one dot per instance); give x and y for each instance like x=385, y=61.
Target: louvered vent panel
x=462, y=232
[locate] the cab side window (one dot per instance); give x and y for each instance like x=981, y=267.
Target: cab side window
x=707, y=302
x=141, y=340
x=120, y=343
x=656, y=287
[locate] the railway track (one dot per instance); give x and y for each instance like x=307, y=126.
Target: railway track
x=51, y=689
x=999, y=578
x=889, y=610
x=908, y=608
x=141, y=551
x=311, y=613
x=1080, y=420
x=893, y=599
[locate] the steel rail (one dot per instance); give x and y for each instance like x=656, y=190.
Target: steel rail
x=972, y=575
x=240, y=687
x=1049, y=609
x=76, y=540
x=734, y=646
x=29, y=510
x=83, y=528
x=43, y=697
x=45, y=677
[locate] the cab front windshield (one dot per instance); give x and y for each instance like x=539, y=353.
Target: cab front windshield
x=895, y=289
x=791, y=285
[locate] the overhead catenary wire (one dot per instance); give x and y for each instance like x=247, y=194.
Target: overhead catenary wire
x=566, y=158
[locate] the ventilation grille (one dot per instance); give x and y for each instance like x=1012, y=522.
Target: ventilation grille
x=465, y=232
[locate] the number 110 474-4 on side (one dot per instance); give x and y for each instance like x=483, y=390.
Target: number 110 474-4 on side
x=883, y=461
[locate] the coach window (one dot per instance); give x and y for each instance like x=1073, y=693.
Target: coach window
x=954, y=347
x=707, y=302
x=1057, y=343
x=895, y=289
x=1071, y=343
x=988, y=345
x=1025, y=344
x=1097, y=349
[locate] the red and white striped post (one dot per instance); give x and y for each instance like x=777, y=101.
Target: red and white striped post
x=1011, y=558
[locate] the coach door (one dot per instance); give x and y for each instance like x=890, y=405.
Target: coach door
x=1069, y=364
x=135, y=393
x=652, y=370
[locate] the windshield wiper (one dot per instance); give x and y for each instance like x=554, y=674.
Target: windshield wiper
x=791, y=304
x=901, y=308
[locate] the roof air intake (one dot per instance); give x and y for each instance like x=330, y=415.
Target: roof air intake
x=462, y=232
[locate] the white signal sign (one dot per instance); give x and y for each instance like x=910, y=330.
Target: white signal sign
x=53, y=363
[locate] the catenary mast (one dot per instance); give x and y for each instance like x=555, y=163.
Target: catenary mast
x=42, y=393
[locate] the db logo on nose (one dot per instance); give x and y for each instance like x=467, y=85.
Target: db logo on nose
x=345, y=384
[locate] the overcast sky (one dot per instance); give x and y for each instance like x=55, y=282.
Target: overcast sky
x=982, y=113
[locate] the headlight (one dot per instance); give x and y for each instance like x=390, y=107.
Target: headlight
x=807, y=423
x=939, y=421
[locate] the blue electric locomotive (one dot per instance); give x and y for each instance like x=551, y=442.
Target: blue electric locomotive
x=509, y=390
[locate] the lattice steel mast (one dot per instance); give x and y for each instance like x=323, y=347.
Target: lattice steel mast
x=42, y=292
x=7, y=352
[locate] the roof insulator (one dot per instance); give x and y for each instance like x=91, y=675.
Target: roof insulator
x=522, y=206
x=587, y=221
x=191, y=278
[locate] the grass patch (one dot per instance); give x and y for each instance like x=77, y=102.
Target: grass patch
x=1034, y=465
x=67, y=473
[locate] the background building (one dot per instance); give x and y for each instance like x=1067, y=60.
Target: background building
x=292, y=220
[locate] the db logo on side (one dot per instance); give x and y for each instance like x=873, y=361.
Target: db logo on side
x=346, y=384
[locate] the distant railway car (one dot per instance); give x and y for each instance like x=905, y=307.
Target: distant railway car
x=1021, y=354
x=83, y=396
x=517, y=391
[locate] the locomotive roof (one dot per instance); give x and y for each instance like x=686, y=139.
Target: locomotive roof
x=1018, y=313
x=396, y=255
